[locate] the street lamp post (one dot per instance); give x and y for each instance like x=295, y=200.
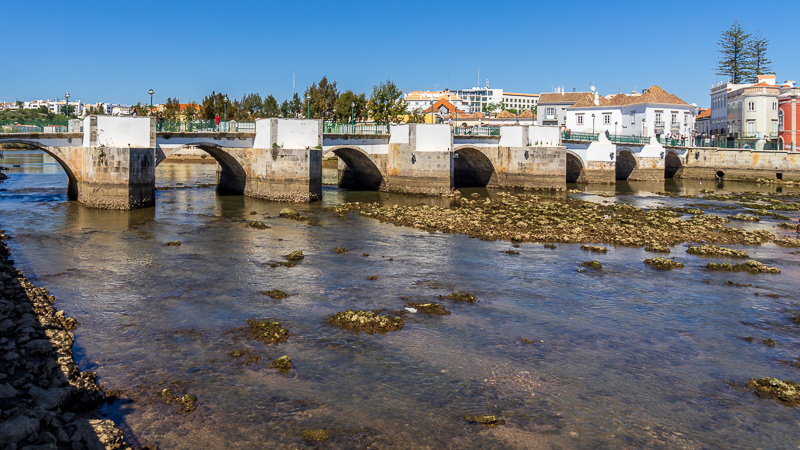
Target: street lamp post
x=641, y=132
x=352, y=108
x=615, y=130
x=151, y=102
x=225, y=109
x=308, y=106
x=66, y=105
x=592, y=123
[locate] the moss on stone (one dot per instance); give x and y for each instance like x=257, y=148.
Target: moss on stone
x=296, y=255
x=267, y=331
x=787, y=392
x=428, y=308
x=714, y=250
x=751, y=266
x=594, y=264
x=663, y=263
x=367, y=321
x=460, y=297
x=276, y=294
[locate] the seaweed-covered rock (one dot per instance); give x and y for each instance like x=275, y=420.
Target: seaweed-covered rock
x=366, y=321
x=460, y=297
x=511, y=252
x=276, y=294
x=258, y=225
x=487, y=419
x=550, y=246
x=428, y=308
x=296, y=255
x=663, y=263
x=372, y=277
x=340, y=250
x=745, y=217
x=248, y=358
x=594, y=264
x=267, y=331
x=715, y=250
x=283, y=363
x=594, y=248
x=289, y=213
x=314, y=436
x=751, y=266
x=788, y=242
x=173, y=244
x=787, y=392
x=657, y=248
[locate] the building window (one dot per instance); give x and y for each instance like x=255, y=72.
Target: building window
x=774, y=106
x=580, y=119
x=550, y=113
x=633, y=117
x=774, y=128
x=751, y=128
x=658, y=119
x=780, y=120
x=606, y=119
x=751, y=106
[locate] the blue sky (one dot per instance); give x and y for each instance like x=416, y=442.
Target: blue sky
x=115, y=51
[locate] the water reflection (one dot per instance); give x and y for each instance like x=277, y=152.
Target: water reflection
x=627, y=356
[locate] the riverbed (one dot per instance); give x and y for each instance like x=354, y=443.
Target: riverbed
x=626, y=356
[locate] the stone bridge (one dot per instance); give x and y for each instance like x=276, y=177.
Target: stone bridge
x=606, y=162
x=432, y=159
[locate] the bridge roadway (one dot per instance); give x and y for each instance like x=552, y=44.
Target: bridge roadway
x=111, y=163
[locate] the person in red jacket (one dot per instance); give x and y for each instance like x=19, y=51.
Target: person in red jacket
x=216, y=122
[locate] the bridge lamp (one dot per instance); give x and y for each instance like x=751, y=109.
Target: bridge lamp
x=641, y=132
x=225, y=109
x=66, y=105
x=592, y=123
x=308, y=106
x=151, y=102
x=352, y=109
x=615, y=130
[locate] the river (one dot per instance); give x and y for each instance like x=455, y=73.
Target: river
x=627, y=356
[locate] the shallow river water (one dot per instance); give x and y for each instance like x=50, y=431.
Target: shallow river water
x=627, y=356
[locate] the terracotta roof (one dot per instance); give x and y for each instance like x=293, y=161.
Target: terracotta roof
x=189, y=105
x=477, y=115
x=517, y=93
x=558, y=97
x=527, y=114
x=442, y=102
x=653, y=95
x=504, y=114
x=588, y=100
x=704, y=113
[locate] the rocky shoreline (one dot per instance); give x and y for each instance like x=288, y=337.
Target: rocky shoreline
x=46, y=401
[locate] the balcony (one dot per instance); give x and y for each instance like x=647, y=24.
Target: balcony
x=675, y=125
x=659, y=124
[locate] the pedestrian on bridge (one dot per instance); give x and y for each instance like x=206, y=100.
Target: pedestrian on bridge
x=216, y=122
x=160, y=120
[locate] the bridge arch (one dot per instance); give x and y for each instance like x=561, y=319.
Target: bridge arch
x=576, y=169
x=231, y=177
x=471, y=167
x=360, y=172
x=59, y=156
x=626, y=163
x=672, y=164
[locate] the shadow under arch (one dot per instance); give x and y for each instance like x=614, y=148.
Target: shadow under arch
x=360, y=172
x=231, y=176
x=672, y=164
x=471, y=168
x=576, y=172
x=72, y=180
x=626, y=163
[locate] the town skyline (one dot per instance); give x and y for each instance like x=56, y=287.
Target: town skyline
x=185, y=58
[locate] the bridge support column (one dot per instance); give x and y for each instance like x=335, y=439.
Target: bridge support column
x=118, y=167
x=420, y=160
x=649, y=162
x=287, y=161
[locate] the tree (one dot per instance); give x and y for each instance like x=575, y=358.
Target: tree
x=286, y=109
x=141, y=110
x=321, y=99
x=296, y=105
x=270, y=107
x=759, y=63
x=190, y=113
x=344, y=109
x=213, y=105
x=386, y=102
x=253, y=105
x=735, y=54
x=416, y=116
x=172, y=109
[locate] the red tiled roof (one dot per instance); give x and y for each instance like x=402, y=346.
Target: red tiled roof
x=558, y=97
x=704, y=113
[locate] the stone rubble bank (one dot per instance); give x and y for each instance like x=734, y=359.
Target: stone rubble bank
x=46, y=401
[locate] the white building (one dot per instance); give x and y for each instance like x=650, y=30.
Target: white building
x=753, y=110
x=654, y=112
x=477, y=98
x=520, y=102
x=552, y=106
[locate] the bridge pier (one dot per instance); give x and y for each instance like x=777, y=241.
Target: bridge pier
x=118, y=163
x=419, y=160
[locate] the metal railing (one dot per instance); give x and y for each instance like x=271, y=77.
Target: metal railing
x=573, y=136
x=628, y=139
x=476, y=131
x=33, y=126
x=672, y=142
x=354, y=128
x=205, y=126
